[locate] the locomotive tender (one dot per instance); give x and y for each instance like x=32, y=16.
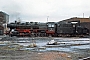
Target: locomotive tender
x=54, y=29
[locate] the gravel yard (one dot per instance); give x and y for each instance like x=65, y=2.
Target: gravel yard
x=69, y=49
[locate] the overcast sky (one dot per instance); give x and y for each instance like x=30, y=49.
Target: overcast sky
x=39, y=10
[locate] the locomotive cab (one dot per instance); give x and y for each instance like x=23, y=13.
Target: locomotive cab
x=50, y=29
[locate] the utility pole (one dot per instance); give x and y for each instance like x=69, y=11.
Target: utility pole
x=83, y=15
x=47, y=18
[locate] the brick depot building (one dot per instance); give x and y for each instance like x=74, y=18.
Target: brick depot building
x=83, y=21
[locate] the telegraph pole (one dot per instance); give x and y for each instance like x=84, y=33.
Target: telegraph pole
x=47, y=18
x=83, y=15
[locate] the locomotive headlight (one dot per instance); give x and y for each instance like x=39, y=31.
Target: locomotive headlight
x=76, y=31
x=87, y=33
x=12, y=30
x=73, y=25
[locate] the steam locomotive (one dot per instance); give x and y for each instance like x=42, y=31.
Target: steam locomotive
x=54, y=29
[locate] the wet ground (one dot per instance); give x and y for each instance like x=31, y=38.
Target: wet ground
x=64, y=44
x=77, y=46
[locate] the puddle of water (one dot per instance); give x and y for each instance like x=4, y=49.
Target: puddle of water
x=58, y=49
x=2, y=44
x=81, y=47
